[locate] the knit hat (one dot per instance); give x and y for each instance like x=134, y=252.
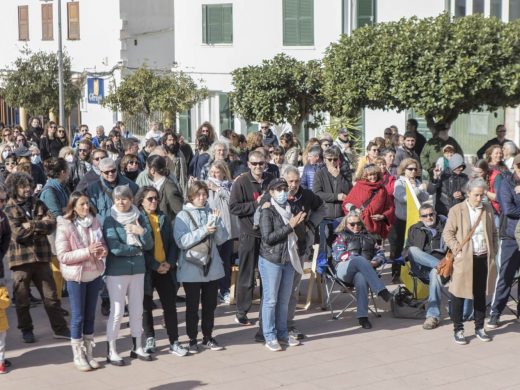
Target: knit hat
x=456, y=161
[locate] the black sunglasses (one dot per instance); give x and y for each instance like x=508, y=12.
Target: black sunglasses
x=331, y=159
x=109, y=172
x=354, y=224
x=152, y=199
x=411, y=169
x=257, y=164
x=431, y=215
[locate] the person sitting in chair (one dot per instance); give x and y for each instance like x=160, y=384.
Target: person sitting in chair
x=425, y=248
x=355, y=256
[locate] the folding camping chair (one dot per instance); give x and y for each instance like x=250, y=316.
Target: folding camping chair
x=335, y=287
x=513, y=298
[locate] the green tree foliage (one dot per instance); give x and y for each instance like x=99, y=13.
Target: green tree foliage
x=280, y=90
x=145, y=91
x=33, y=83
x=439, y=67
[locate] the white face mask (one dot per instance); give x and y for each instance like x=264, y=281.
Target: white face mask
x=36, y=159
x=69, y=158
x=5, y=154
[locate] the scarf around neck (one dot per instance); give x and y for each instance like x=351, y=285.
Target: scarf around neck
x=292, y=240
x=129, y=217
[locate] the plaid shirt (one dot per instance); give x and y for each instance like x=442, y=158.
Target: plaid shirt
x=29, y=245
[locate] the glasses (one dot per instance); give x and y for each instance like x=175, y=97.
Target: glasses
x=431, y=215
x=53, y=127
x=132, y=162
x=9, y=163
x=61, y=131
x=354, y=224
x=331, y=159
x=152, y=199
x=98, y=158
x=112, y=171
x=83, y=150
x=411, y=169
x=264, y=127
x=388, y=133
x=327, y=145
x=257, y=164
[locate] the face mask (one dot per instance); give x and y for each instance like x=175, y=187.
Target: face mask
x=5, y=154
x=69, y=158
x=281, y=197
x=36, y=159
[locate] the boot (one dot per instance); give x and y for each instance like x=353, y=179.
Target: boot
x=138, y=351
x=79, y=356
x=88, y=343
x=112, y=356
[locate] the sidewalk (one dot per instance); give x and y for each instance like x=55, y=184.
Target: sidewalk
x=395, y=354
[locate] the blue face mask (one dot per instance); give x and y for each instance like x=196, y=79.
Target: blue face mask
x=281, y=197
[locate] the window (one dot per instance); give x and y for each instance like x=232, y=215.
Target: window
x=496, y=8
x=478, y=7
x=23, y=23
x=47, y=30
x=366, y=13
x=225, y=114
x=460, y=8
x=217, y=23
x=185, y=125
x=514, y=10
x=298, y=22
x=73, y=20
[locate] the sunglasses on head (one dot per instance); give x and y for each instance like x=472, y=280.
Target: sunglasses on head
x=109, y=171
x=354, y=224
x=257, y=164
x=430, y=215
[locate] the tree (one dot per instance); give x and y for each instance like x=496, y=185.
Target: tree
x=146, y=91
x=281, y=90
x=33, y=83
x=438, y=67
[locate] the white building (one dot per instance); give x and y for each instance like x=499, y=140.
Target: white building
x=214, y=37
x=100, y=36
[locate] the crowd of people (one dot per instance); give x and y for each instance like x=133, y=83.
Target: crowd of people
x=115, y=217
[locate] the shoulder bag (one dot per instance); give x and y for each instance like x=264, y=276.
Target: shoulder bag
x=200, y=253
x=445, y=266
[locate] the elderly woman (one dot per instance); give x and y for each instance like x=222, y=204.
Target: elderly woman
x=355, y=255
x=407, y=172
x=277, y=263
x=127, y=235
x=81, y=251
x=370, y=197
x=219, y=185
x=330, y=185
x=198, y=231
x=160, y=272
x=219, y=151
x=510, y=151
x=470, y=233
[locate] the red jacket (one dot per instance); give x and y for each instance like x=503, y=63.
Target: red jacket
x=381, y=203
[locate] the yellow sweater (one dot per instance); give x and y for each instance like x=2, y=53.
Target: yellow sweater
x=158, y=250
x=4, y=304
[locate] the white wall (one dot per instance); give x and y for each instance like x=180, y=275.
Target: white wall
x=393, y=10
x=377, y=120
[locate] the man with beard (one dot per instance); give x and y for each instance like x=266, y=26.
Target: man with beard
x=425, y=248
x=180, y=169
x=34, y=131
x=81, y=165
x=83, y=129
x=29, y=255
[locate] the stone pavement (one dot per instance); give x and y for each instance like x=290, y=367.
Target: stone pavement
x=337, y=354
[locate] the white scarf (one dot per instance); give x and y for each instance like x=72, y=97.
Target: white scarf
x=292, y=240
x=130, y=217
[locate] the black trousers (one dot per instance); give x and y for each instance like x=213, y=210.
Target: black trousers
x=205, y=293
x=167, y=290
x=248, y=251
x=396, y=239
x=509, y=264
x=479, y=296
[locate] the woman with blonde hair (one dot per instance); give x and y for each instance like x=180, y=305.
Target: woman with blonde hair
x=310, y=144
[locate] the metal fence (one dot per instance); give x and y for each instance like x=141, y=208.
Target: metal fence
x=139, y=124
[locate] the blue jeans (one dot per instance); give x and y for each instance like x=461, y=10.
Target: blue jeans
x=83, y=300
x=359, y=272
x=327, y=235
x=425, y=268
x=277, y=281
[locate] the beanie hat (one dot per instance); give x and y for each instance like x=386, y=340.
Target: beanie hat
x=456, y=161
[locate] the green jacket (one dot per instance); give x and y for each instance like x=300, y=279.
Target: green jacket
x=433, y=150
x=124, y=259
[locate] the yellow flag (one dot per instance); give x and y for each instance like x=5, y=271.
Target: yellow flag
x=412, y=217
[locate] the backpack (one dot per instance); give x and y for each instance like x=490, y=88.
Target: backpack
x=404, y=305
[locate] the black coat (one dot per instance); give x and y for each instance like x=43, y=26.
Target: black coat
x=170, y=198
x=421, y=237
x=447, y=185
x=327, y=187
x=274, y=232
x=360, y=244
x=89, y=178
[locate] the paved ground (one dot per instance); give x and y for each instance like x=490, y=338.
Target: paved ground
x=395, y=354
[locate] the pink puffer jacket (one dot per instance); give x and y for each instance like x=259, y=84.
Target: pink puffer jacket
x=76, y=262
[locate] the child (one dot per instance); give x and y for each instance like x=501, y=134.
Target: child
x=4, y=304
x=443, y=163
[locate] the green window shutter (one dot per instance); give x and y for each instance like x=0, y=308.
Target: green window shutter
x=225, y=114
x=366, y=13
x=290, y=23
x=185, y=125
x=306, y=22
x=514, y=10
x=204, y=24
x=227, y=23
x=214, y=24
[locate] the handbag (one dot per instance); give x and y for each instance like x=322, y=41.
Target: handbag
x=200, y=253
x=445, y=266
